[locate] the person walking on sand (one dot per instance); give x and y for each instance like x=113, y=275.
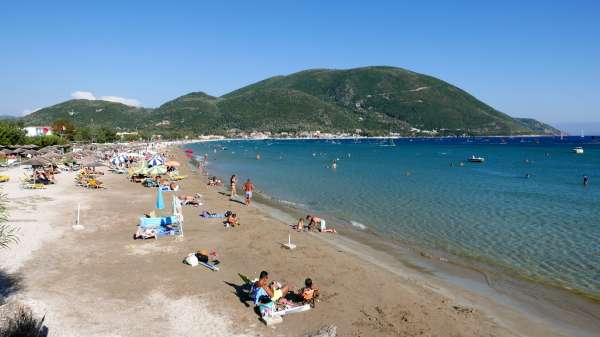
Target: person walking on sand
x=248, y=187
x=233, y=182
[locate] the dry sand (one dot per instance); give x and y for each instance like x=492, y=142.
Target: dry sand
x=100, y=282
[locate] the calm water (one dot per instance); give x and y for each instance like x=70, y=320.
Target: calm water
x=545, y=227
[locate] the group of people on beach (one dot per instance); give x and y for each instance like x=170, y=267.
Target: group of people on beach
x=268, y=295
x=314, y=224
x=248, y=189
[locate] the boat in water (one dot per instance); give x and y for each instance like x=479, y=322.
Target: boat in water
x=474, y=159
x=578, y=150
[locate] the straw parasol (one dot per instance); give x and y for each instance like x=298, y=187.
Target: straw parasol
x=35, y=162
x=173, y=163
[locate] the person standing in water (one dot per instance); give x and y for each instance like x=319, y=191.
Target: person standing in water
x=233, y=192
x=334, y=164
x=248, y=187
x=585, y=180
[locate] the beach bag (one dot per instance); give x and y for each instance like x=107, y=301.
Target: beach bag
x=192, y=260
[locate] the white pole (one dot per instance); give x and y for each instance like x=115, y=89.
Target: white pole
x=290, y=239
x=78, y=210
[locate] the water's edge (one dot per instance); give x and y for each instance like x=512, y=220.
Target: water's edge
x=567, y=311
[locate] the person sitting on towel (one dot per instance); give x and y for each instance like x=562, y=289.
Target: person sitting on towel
x=232, y=220
x=262, y=287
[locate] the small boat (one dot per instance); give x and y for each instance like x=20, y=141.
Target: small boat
x=578, y=150
x=474, y=159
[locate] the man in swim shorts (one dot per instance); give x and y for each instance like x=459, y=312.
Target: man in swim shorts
x=249, y=188
x=262, y=287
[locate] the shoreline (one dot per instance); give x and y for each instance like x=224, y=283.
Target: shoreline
x=555, y=306
x=99, y=282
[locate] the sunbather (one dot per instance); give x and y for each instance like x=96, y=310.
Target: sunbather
x=262, y=287
x=144, y=233
x=299, y=226
x=214, y=181
x=189, y=200
x=316, y=223
x=232, y=220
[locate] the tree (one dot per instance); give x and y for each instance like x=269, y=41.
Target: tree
x=64, y=129
x=11, y=133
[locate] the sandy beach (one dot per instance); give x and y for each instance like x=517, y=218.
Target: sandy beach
x=100, y=282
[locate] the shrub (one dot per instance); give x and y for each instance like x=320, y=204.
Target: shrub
x=24, y=324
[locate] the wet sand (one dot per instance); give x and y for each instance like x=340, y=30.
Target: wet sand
x=100, y=282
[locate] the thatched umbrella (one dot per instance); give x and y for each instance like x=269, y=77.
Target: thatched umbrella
x=30, y=152
x=36, y=162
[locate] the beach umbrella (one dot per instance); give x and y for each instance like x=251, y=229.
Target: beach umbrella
x=157, y=170
x=189, y=150
x=156, y=160
x=34, y=162
x=92, y=163
x=173, y=163
x=30, y=152
x=120, y=159
x=160, y=202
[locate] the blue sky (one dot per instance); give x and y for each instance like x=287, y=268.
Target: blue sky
x=526, y=58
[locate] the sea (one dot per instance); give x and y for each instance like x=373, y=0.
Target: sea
x=525, y=210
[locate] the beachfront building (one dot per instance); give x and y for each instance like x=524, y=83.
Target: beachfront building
x=33, y=131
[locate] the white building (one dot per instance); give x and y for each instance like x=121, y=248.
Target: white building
x=33, y=131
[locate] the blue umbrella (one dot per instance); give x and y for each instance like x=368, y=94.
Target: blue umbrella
x=160, y=202
x=155, y=161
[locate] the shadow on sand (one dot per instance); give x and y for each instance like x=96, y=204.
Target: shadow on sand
x=9, y=285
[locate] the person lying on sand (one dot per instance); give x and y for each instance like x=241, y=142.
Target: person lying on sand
x=189, y=200
x=232, y=220
x=214, y=181
x=315, y=221
x=144, y=233
x=262, y=287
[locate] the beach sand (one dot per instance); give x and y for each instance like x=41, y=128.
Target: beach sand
x=100, y=282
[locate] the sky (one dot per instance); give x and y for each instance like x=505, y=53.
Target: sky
x=537, y=59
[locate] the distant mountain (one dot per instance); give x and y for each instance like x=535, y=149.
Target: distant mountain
x=376, y=100
x=83, y=112
x=538, y=127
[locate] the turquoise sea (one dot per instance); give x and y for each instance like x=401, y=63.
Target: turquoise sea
x=525, y=210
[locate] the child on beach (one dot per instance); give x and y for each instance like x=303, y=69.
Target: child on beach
x=232, y=220
x=299, y=226
x=310, y=293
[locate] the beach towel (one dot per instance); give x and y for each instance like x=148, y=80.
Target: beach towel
x=209, y=215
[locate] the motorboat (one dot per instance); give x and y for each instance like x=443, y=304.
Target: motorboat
x=578, y=150
x=474, y=159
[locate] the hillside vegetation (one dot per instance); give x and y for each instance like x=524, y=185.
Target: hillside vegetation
x=375, y=100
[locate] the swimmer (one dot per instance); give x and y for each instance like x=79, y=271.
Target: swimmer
x=585, y=180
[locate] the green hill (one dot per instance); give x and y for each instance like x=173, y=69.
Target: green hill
x=538, y=127
x=83, y=112
x=376, y=100
x=373, y=96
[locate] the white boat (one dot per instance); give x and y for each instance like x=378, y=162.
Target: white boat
x=474, y=159
x=578, y=150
